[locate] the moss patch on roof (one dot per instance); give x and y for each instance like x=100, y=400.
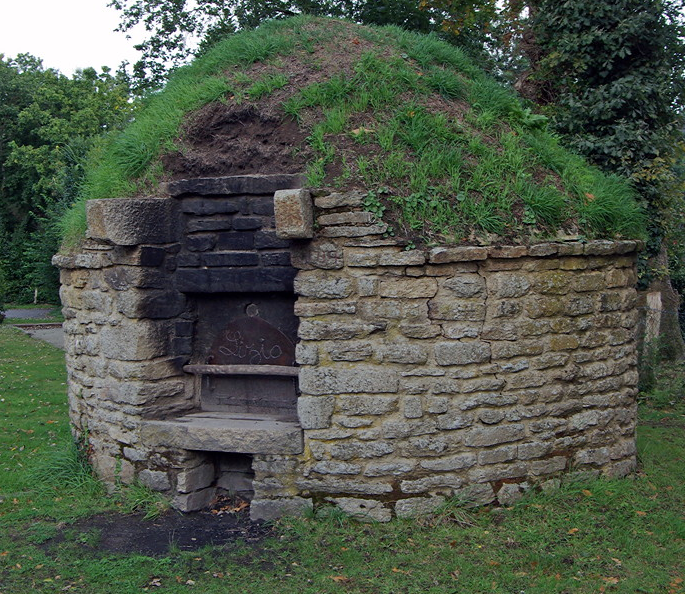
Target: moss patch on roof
x=446, y=154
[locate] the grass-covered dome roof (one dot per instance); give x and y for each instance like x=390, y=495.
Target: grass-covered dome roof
x=446, y=153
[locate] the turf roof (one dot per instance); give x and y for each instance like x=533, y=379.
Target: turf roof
x=444, y=153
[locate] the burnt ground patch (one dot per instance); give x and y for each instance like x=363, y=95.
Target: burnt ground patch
x=173, y=531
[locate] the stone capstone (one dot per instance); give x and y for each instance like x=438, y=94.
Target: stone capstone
x=132, y=221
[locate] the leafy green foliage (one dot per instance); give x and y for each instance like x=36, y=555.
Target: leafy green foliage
x=47, y=125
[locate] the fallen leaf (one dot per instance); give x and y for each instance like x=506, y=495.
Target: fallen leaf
x=493, y=563
x=339, y=578
x=396, y=570
x=640, y=513
x=586, y=492
x=617, y=561
x=573, y=530
x=454, y=574
x=610, y=580
x=356, y=41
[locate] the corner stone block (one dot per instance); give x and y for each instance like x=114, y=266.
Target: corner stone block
x=155, y=480
x=137, y=340
x=132, y=221
x=315, y=412
x=294, y=214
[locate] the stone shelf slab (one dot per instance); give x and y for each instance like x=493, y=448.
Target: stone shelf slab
x=226, y=432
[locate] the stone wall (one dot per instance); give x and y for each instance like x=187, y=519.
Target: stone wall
x=425, y=373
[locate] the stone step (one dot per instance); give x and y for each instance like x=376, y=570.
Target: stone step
x=225, y=432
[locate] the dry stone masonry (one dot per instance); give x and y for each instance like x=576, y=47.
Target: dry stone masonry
x=424, y=374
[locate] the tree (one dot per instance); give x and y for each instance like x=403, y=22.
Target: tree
x=176, y=26
x=47, y=123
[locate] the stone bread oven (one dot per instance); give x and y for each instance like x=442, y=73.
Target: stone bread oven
x=245, y=335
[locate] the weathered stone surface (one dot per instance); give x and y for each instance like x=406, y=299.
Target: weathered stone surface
x=154, y=479
x=462, y=353
x=322, y=286
x=417, y=507
x=432, y=484
x=197, y=500
x=404, y=258
x=441, y=255
x=465, y=285
x=237, y=184
x=456, y=462
x=401, y=352
x=364, y=510
x=219, y=432
x=339, y=200
x=132, y=221
x=364, y=379
x=272, y=509
x=235, y=280
x=314, y=412
x=294, y=214
x=333, y=467
x=321, y=330
x=487, y=436
x=196, y=478
x=134, y=340
x=442, y=308
x=509, y=494
x=346, y=218
x=408, y=288
x=367, y=405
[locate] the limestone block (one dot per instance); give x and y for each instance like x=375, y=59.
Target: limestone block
x=138, y=340
x=462, y=353
x=457, y=330
x=322, y=285
x=154, y=479
x=417, y=507
x=508, y=285
x=395, y=468
x=132, y=221
x=457, y=462
x=294, y=214
x=400, y=429
x=323, y=330
x=421, y=331
x=334, y=467
x=448, y=308
x=196, y=478
x=404, y=258
x=366, y=405
x=362, y=379
x=431, y=483
x=548, y=466
x=350, y=351
x=314, y=412
x=513, y=251
x=407, y=353
x=487, y=436
x=412, y=407
x=497, y=455
x=356, y=231
x=527, y=451
x=509, y=494
x=543, y=249
x=345, y=218
x=485, y=474
x=348, y=450
x=363, y=510
x=337, y=200
x=474, y=495
x=408, y=288
x=507, y=350
x=330, y=484
x=305, y=309
x=442, y=255
x=306, y=354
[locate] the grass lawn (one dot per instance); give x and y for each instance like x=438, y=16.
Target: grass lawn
x=603, y=536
